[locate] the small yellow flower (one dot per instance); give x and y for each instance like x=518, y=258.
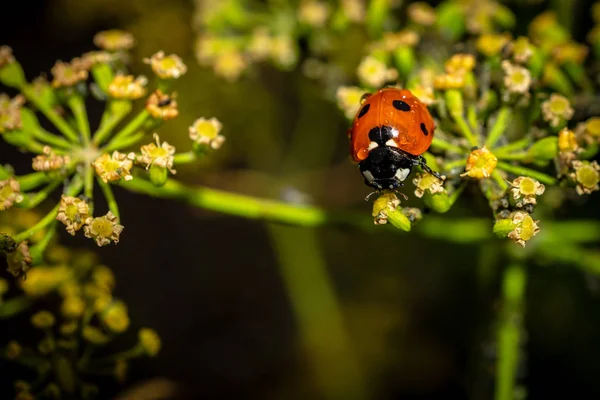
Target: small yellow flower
x=587, y=176
x=524, y=227
x=517, y=79
x=115, y=317
x=491, y=44
x=19, y=261
x=567, y=141
x=460, y=64
x=206, y=132
x=10, y=193
x=13, y=350
x=313, y=13
x=114, y=167
x=121, y=369
x=522, y=49
x=114, y=40
x=73, y=212
x=480, y=164
x=449, y=81
x=94, y=335
x=283, y=51
x=349, y=99
x=571, y=52
x=162, y=106
x=72, y=307
x=525, y=190
x=424, y=93
x=557, y=109
x=354, y=10
x=421, y=13
x=374, y=73
x=393, y=40
x=6, y=56
x=230, y=64
x=166, y=67
x=427, y=182
x=592, y=127
x=3, y=287
x=149, y=341
x=43, y=319
x=127, y=87
x=103, y=230
x=42, y=280
x=157, y=154
x=384, y=204
x=259, y=47
x=92, y=58
x=103, y=277
x=69, y=328
x=10, y=112
x=68, y=74
x=49, y=161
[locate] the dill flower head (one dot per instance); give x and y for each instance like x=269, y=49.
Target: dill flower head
x=587, y=176
x=104, y=229
x=49, y=161
x=149, y=341
x=592, y=128
x=374, y=73
x=522, y=49
x=230, y=64
x=567, y=141
x=115, y=317
x=382, y=206
x=460, y=64
x=449, y=81
x=259, y=47
x=424, y=93
x=517, y=79
x=162, y=106
x=354, y=10
x=480, y=164
x=157, y=154
x=94, y=335
x=570, y=52
x=114, y=40
x=349, y=99
x=42, y=280
x=206, y=132
x=166, y=67
x=68, y=74
x=72, y=306
x=393, y=40
x=491, y=44
x=557, y=109
x=127, y=87
x=525, y=228
x=43, y=319
x=10, y=193
x=421, y=13
x=283, y=51
x=313, y=13
x=427, y=182
x=103, y=277
x=525, y=190
x=10, y=112
x=73, y=212
x=114, y=167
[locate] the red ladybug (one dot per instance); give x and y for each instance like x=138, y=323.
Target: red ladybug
x=389, y=133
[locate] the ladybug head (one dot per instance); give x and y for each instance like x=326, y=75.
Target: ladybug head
x=386, y=168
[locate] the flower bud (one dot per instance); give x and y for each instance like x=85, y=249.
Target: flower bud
x=158, y=175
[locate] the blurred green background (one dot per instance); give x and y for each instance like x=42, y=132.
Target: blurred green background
x=417, y=315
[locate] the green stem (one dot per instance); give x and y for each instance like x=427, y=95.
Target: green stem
x=514, y=146
x=73, y=189
x=472, y=115
x=40, y=196
x=114, y=113
x=77, y=106
x=37, y=251
x=49, y=138
x=33, y=180
x=110, y=197
x=184, y=158
x=319, y=314
x=499, y=180
x=246, y=206
x=499, y=127
x=455, y=164
x=518, y=170
x=124, y=143
x=441, y=144
x=521, y=156
x=133, y=126
x=509, y=331
x=88, y=184
x=58, y=121
x=466, y=130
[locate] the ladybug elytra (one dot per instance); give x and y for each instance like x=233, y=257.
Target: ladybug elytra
x=390, y=132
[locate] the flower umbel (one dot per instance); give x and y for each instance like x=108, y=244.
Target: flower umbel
x=103, y=230
x=127, y=87
x=480, y=164
x=68, y=74
x=524, y=228
x=114, y=167
x=427, y=182
x=114, y=40
x=587, y=176
x=525, y=190
x=73, y=212
x=157, y=154
x=49, y=161
x=557, y=109
x=162, y=106
x=166, y=67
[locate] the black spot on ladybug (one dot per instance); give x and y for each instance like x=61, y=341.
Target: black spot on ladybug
x=400, y=105
x=364, y=110
x=424, y=129
x=380, y=135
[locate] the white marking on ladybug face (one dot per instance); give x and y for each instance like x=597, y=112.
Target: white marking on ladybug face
x=391, y=143
x=368, y=176
x=402, y=173
x=372, y=145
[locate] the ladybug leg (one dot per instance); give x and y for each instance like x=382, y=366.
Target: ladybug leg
x=420, y=161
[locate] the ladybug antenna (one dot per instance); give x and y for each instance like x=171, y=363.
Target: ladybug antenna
x=370, y=194
x=405, y=197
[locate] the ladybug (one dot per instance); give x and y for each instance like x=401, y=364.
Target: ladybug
x=389, y=133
